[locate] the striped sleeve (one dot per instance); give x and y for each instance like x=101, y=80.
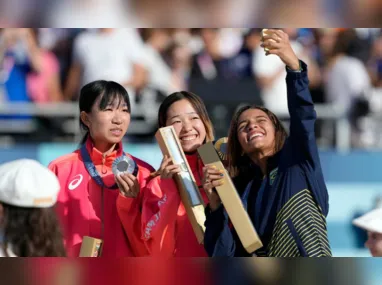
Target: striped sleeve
x=300, y=229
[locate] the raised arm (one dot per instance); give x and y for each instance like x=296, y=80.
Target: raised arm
x=300, y=104
x=301, y=147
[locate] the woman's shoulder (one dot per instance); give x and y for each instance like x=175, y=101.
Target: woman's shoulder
x=70, y=158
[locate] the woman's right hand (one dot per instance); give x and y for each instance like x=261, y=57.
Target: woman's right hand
x=167, y=169
x=212, y=177
x=128, y=185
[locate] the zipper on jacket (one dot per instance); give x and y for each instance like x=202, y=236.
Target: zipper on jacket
x=103, y=170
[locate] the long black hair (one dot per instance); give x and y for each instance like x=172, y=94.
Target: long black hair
x=109, y=90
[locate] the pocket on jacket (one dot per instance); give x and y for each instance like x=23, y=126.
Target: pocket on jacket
x=296, y=238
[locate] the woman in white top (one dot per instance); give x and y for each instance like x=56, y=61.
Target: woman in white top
x=28, y=223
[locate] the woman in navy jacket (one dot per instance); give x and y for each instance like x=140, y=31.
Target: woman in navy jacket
x=286, y=199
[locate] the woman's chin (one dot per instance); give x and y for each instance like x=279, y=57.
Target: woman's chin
x=189, y=148
x=114, y=140
x=255, y=148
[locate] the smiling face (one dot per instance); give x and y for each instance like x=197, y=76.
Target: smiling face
x=256, y=132
x=187, y=124
x=374, y=244
x=109, y=125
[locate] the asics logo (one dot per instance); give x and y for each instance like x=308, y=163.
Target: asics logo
x=75, y=182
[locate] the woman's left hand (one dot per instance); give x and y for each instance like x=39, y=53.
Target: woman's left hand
x=277, y=42
x=128, y=185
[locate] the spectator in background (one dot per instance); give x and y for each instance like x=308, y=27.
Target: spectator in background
x=28, y=223
x=244, y=58
x=325, y=40
x=270, y=74
x=161, y=79
x=206, y=63
x=185, y=44
x=44, y=86
x=348, y=84
x=160, y=76
x=60, y=42
x=180, y=62
x=108, y=54
x=375, y=62
x=19, y=56
x=372, y=223
x=215, y=59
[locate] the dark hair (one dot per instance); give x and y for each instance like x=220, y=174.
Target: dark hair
x=344, y=42
x=195, y=101
x=238, y=163
x=32, y=232
x=147, y=33
x=109, y=90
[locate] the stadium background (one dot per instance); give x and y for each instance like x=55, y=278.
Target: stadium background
x=220, y=66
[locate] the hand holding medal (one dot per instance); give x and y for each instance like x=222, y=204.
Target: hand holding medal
x=125, y=171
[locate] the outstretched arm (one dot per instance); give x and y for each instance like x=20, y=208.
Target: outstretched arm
x=302, y=142
x=300, y=103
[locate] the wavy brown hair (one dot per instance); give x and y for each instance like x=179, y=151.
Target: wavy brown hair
x=238, y=163
x=195, y=101
x=32, y=232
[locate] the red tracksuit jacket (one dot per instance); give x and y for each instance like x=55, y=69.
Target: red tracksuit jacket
x=79, y=201
x=164, y=229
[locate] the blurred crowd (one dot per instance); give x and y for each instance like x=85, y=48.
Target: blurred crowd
x=345, y=65
x=190, y=13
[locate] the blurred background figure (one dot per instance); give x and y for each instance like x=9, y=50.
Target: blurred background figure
x=372, y=223
x=348, y=84
x=19, y=58
x=28, y=223
x=190, y=13
x=44, y=85
x=108, y=54
x=226, y=67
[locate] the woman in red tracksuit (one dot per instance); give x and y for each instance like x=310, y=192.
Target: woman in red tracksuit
x=164, y=227
x=87, y=200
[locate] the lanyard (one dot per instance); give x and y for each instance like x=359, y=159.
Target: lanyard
x=92, y=169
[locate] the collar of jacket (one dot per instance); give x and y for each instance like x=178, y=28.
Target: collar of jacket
x=98, y=158
x=272, y=163
x=194, y=161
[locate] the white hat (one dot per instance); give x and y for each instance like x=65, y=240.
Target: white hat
x=371, y=221
x=27, y=183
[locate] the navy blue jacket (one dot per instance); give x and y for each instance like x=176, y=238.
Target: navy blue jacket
x=289, y=205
